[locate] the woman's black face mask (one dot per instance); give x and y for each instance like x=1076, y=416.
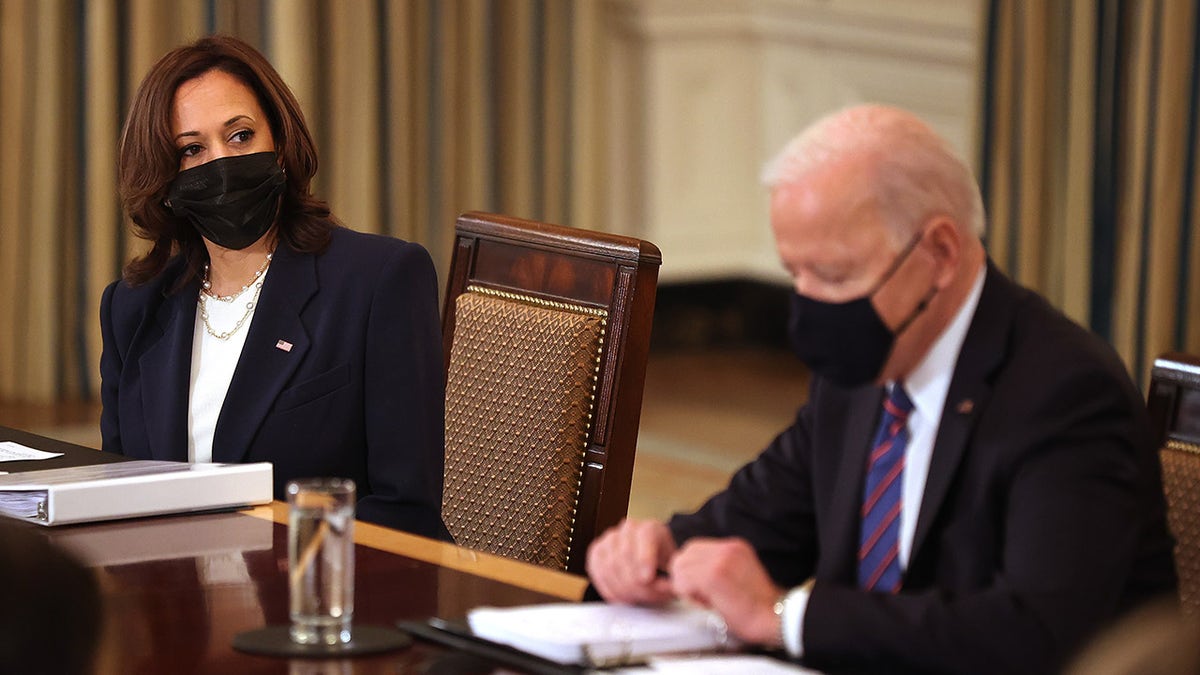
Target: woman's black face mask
x=847, y=342
x=231, y=201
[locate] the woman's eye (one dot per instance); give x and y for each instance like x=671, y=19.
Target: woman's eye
x=189, y=150
x=242, y=136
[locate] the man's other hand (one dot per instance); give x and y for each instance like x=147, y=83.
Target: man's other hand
x=626, y=562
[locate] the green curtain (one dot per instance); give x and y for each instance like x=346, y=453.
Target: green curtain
x=421, y=109
x=1089, y=164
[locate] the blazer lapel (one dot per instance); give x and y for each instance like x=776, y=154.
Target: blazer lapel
x=862, y=416
x=983, y=351
x=275, y=347
x=166, y=374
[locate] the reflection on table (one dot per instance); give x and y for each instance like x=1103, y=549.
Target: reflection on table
x=176, y=589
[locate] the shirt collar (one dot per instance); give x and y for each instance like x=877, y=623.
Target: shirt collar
x=928, y=383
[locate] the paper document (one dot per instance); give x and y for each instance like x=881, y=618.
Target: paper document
x=130, y=489
x=712, y=664
x=726, y=664
x=599, y=634
x=11, y=451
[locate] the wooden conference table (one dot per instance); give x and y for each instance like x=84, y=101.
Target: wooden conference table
x=176, y=589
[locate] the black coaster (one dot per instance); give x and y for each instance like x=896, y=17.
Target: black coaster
x=277, y=641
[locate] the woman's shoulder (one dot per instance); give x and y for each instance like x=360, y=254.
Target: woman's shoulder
x=360, y=260
x=124, y=307
x=346, y=237
x=363, y=249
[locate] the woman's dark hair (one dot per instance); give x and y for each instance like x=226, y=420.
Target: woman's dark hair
x=148, y=160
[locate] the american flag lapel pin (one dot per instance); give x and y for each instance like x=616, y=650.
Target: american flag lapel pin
x=283, y=345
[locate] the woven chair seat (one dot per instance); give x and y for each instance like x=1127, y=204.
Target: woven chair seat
x=519, y=400
x=1174, y=406
x=1181, y=483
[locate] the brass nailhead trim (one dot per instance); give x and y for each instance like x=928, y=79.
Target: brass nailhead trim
x=530, y=300
x=1184, y=446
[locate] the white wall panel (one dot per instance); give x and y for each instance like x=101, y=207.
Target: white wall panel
x=704, y=92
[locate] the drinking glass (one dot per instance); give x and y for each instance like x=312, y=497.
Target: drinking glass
x=321, y=559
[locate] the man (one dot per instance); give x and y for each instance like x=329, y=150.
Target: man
x=971, y=486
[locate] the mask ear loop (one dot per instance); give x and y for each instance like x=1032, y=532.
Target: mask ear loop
x=921, y=307
x=900, y=258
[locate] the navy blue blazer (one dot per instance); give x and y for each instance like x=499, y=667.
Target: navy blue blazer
x=1043, y=515
x=360, y=392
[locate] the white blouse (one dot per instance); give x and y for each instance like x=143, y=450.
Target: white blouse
x=213, y=363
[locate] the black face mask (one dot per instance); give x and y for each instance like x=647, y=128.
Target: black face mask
x=231, y=201
x=847, y=343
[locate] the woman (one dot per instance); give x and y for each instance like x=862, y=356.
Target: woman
x=256, y=328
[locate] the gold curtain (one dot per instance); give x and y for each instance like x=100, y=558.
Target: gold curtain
x=1090, y=149
x=421, y=109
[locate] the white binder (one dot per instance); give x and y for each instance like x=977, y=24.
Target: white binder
x=131, y=489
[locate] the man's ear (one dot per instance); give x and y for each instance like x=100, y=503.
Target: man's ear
x=944, y=241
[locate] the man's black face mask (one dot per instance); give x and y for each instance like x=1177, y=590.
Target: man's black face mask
x=231, y=201
x=847, y=342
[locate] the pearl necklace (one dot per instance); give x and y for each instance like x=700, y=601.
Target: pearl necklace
x=206, y=285
x=206, y=294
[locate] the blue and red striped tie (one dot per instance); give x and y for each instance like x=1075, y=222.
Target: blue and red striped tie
x=879, y=537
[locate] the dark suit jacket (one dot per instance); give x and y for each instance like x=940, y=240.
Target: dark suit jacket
x=359, y=394
x=1042, y=519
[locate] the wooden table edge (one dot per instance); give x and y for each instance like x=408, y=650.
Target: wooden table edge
x=514, y=572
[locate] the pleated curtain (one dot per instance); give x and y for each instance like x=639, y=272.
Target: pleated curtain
x=421, y=109
x=1089, y=164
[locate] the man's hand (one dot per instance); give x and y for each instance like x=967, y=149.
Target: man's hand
x=725, y=575
x=624, y=563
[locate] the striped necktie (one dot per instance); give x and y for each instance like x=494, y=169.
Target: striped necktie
x=879, y=536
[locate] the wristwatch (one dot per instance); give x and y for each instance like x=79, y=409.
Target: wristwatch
x=780, y=608
x=791, y=623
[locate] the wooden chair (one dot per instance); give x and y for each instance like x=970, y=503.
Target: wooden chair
x=1174, y=405
x=546, y=332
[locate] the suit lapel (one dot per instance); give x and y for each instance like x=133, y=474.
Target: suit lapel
x=862, y=416
x=983, y=351
x=166, y=374
x=267, y=364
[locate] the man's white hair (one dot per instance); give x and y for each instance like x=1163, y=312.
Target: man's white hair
x=914, y=173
